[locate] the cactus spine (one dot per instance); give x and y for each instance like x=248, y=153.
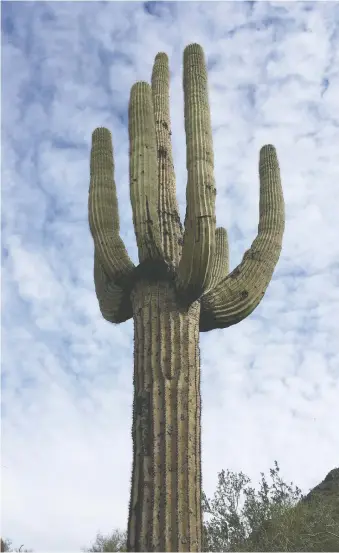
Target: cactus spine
x=181, y=286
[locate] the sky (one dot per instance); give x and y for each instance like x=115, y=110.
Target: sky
x=270, y=385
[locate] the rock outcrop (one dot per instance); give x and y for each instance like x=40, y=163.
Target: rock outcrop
x=328, y=488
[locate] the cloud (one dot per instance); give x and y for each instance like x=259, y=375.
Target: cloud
x=270, y=384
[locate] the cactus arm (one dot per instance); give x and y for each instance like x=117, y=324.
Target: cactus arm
x=199, y=235
x=220, y=267
x=114, y=302
x=144, y=191
x=169, y=218
x=103, y=212
x=237, y=295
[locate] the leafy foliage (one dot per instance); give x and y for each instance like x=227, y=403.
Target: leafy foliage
x=6, y=545
x=117, y=541
x=230, y=527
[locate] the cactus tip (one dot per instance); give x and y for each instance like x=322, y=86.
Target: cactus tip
x=101, y=132
x=140, y=85
x=193, y=47
x=268, y=149
x=161, y=56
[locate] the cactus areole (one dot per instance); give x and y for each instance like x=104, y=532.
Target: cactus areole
x=182, y=286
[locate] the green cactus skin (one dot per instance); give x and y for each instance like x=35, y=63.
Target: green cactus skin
x=182, y=286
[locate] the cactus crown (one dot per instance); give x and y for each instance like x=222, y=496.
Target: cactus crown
x=194, y=257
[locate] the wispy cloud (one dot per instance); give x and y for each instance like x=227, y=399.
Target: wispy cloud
x=270, y=385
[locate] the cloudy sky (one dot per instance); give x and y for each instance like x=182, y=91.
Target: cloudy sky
x=270, y=384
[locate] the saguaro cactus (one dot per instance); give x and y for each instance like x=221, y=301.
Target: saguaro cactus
x=181, y=286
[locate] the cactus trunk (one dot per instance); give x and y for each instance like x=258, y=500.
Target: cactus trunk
x=165, y=505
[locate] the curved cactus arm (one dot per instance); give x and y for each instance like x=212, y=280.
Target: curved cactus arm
x=114, y=303
x=199, y=237
x=103, y=211
x=220, y=266
x=237, y=295
x=144, y=190
x=169, y=218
